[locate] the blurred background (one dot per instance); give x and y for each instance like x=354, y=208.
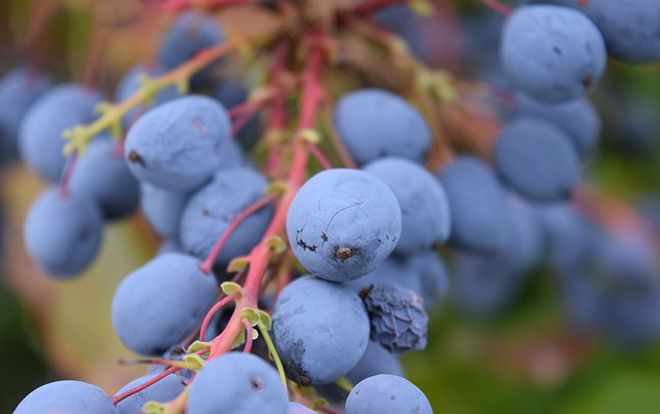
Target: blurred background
x=526, y=355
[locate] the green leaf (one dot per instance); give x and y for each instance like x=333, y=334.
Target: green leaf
x=276, y=188
x=197, y=346
x=276, y=244
x=237, y=265
x=230, y=288
x=194, y=361
x=153, y=407
x=265, y=319
x=310, y=135
x=421, y=7
x=252, y=315
x=240, y=340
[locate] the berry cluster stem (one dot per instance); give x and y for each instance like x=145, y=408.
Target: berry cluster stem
x=80, y=136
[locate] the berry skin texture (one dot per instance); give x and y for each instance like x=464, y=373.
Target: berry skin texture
x=398, y=320
x=237, y=383
x=395, y=271
x=553, y=53
x=158, y=305
x=179, y=145
x=162, y=209
x=63, y=233
x=40, y=136
x=320, y=329
x=191, y=33
x=70, y=397
x=374, y=123
x=577, y=118
x=343, y=223
x=477, y=203
x=630, y=28
x=376, y=360
x=210, y=210
x=433, y=276
x=537, y=159
x=425, y=216
x=297, y=408
x=103, y=176
x=387, y=394
x=19, y=88
x=131, y=82
x=164, y=390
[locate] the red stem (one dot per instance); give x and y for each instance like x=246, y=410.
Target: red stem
x=64, y=184
x=207, y=265
x=119, y=398
x=320, y=157
x=248, y=336
x=259, y=258
x=209, y=315
x=497, y=6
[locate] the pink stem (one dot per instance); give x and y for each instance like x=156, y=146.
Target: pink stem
x=207, y=265
x=248, y=336
x=64, y=184
x=497, y=6
x=320, y=157
x=215, y=309
x=119, y=398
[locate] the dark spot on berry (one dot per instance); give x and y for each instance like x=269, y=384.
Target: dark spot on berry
x=587, y=82
x=134, y=157
x=300, y=242
x=324, y=236
x=557, y=50
x=256, y=383
x=206, y=212
x=344, y=253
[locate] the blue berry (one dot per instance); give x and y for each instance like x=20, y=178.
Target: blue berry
x=376, y=360
x=70, y=397
x=191, y=33
x=537, y=159
x=577, y=118
x=179, y=145
x=162, y=209
x=320, y=329
x=343, y=223
x=237, y=383
x=630, y=28
x=570, y=238
x=425, y=215
x=433, y=277
x=232, y=93
x=63, y=233
x=164, y=390
x=374, y=123
x=19, y=89
x=553, y=53
x=398, y=320
x=160, y=304
x=40, y=136
x=131, y=82
x=387, y=394
x=297, y=408
x=210, y=210
x=102, y=175
x=396, y=271
x=478, y=206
